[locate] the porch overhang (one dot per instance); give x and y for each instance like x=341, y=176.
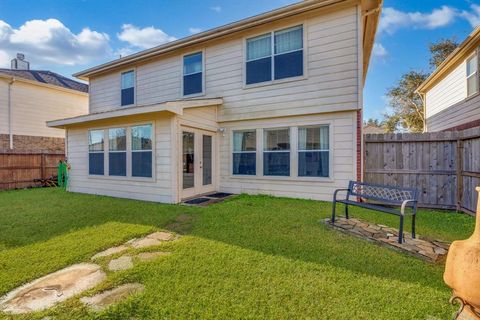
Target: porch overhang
x=174, y=107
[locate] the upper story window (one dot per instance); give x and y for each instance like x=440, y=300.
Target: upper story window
x=193, y=74
x=472, y=75
x=96, y=152
x=274, y=56
x=128, y=88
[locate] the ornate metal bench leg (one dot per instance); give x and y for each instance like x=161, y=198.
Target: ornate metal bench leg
x=400, y=231
x=413, y=226
x=346, y=211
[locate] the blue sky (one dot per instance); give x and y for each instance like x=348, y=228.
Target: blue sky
x=68, y=36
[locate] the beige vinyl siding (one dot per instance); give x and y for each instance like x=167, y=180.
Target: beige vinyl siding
x=33, y=105
x=160, y=188
x=449, y=91
x=343, y=157
x=330, y=82
x=202, y=118
x=465, y=111
x=3, y=106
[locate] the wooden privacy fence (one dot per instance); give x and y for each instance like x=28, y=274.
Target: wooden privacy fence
x=19, y=170
x=444, y=166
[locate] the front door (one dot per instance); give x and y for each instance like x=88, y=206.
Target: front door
x=197, y=175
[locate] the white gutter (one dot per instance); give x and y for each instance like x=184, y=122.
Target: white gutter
x=10, y=113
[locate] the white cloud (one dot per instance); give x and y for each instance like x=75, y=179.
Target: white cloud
x=143, y=38
x=217, y=9
x=393, y=19
x=379, y=50
x=193, y=30
x=47, y=42
x=472, y=17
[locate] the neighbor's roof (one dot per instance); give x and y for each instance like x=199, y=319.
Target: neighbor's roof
x=453, y=60
x=370, y=12
x=46, y=77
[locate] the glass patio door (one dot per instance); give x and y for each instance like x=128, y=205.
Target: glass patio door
x=197, y=149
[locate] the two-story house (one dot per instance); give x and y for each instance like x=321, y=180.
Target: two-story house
x=28, y=98
x=451, y=93
x=270, y=104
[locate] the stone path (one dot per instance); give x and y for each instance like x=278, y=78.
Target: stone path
x=429, y=250
x=56, y=287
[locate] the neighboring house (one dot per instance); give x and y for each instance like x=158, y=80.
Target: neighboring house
x=28, y=98
x=451, y=92
x=270, y=104
x=368, y=129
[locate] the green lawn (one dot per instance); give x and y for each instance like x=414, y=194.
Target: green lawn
x=249, y=257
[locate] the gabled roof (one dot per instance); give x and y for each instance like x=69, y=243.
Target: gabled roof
x=46, y=77
x=370, y=16
x=468, y=46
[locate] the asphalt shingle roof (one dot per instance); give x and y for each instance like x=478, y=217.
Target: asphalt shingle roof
x=47, y=77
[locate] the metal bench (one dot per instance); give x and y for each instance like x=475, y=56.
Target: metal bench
x=381, y=198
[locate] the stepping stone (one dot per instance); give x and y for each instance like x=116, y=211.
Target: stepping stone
x=122, y=263
x=162, y=236
x=147, y=256
x=51, y=289
x=102, y=300
x=110, y=251
x=144, y=243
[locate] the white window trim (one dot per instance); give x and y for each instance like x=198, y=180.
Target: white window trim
x=273, y=54
x=134, y=88
x=474, y=74
x=293, y=153
x=106, y=149
x=199, y=94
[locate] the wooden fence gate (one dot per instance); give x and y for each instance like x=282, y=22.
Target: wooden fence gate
x=444, y=166
x=19, y=170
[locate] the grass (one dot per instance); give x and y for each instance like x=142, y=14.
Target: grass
x=246, y=258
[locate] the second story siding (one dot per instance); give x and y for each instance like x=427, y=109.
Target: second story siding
x=330, y=81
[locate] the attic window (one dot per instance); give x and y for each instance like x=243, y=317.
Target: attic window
x=472, y=75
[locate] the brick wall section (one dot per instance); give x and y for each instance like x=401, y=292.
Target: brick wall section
x=359, y=145
x=468, y=125
x=27, y=144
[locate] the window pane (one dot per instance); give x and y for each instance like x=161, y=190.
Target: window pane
x=142, y=164
x=188, y=159
x=244, y=141
x=472, y=84
x=277, y=139
x=95, y=140
x=313, y=164
x=313, y=138
x=192, y=63
x=244, y=163
x=259, y=70
x=472, y=65
x=276, y=163
x=128, y=80
x=142, y=137
x=117, y=163
x=289, y=65
x=259, y=47
x=289, y=39
x=128, y=96
x=207, y=160
x=117, y=139
x=95, y=163
x=192, y=84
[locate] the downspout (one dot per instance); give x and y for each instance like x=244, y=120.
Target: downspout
x=10, y=113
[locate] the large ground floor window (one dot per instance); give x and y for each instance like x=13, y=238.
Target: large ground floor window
x=130, y=151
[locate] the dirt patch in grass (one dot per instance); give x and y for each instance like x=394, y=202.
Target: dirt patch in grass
x=182, y=224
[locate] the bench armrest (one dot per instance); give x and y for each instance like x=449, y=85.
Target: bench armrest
x=404, y=205
x=337, y=191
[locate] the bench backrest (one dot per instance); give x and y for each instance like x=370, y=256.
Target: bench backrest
x=381, y=193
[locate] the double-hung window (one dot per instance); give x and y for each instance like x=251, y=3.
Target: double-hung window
x=141, y=151
x=313, y=151
x=96, y=152
x=117, y=155
x=472, y=75
x=276, y=152
x=244, y=152
x=274, y=56
x=128, y=88
x=193, y=74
